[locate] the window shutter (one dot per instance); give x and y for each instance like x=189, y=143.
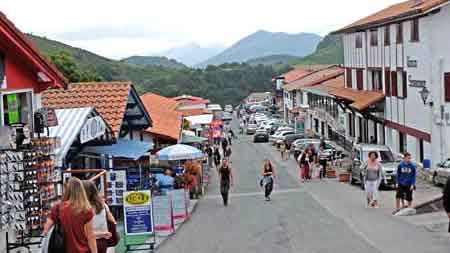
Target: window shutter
x=415, y=30
x=447, y=86
x=387, y=35
x=387, y=82
x=359, y=79
x=405, y=84
x=349, y=77
x=399, y=33
x=394, y=90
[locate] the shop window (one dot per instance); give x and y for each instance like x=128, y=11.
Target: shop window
x=399, y=33
x=17, y=108
x=358, y=41
x=387, y=35
x=415, y=30
x=374, y=38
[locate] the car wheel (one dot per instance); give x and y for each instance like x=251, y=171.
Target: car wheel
x=352, y=179
x=435, y=180
x=361, y=179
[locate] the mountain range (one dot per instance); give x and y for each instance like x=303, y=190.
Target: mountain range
x=192, y=54
x=160, y=61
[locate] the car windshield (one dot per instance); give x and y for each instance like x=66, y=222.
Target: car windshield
x=383, y=156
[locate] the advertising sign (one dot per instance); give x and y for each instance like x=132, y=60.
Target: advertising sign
x=179, y=204
x=93, y=128
x=162, y=213
x=116, y=187
x=138, y=212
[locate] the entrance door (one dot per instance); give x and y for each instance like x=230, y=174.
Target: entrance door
x=322, y=128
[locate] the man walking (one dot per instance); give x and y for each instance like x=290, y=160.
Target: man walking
x=406, y=182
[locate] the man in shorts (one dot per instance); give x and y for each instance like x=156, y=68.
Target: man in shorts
x=406, y=182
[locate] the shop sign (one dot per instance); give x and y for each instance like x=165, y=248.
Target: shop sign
x=412, y=63
x=417, y=83
x=92, y=129
x=138, y=212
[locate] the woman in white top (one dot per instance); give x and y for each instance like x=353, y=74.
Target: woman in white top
x=372, y=174
x=102, y=214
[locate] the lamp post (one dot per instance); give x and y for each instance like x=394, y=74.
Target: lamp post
x=424, y=94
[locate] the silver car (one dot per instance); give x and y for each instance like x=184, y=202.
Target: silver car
x=388, y=163
x=441, y=173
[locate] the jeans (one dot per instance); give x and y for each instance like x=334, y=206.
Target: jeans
x=323, y=171
x=224, y=189
x=268, y=187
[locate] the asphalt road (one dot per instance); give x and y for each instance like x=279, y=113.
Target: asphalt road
x=314, y=217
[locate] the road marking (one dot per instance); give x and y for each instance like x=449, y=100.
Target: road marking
x=251, y=194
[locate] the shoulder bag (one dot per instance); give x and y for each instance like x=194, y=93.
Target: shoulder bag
x=115, y=237
x=57, y=242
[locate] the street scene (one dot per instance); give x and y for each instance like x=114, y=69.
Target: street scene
x=187, y=129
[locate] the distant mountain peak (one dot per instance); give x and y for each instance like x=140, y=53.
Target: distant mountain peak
x=192, y=53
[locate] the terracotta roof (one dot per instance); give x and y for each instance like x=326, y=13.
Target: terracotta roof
x=315, y=78
x=328, y=86
x=194, y=112
x=361, y=99
x=166, y=120
x=109, y=99
x=191, y=100
x=301, y=71
x=393, y=13
x=29, y=46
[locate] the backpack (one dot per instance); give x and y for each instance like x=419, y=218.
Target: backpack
x=56, y=242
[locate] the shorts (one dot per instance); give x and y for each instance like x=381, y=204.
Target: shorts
x=404, y=192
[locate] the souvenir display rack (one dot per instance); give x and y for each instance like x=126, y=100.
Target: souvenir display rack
x=28, y=183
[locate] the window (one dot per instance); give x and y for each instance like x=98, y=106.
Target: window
x=358, y=41
x=349, y=78
x=404, y=85
x=376, y=80
x=359, y=79
x=447, y=86
x=374, y=38
x=399, y=33
x=387, y=82
x=415, y=30
x=387, y=35
x=394, y=90
x=17, y=108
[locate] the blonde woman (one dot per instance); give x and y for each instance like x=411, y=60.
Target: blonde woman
x=75, y=214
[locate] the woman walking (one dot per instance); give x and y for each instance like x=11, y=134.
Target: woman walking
x=226, y=180
x=283, y=150
x=228, y=153
x=101, y=218
x=217, y=157
x=76, y=216
x=268, y=176
x=305, y=160
x=372, y=176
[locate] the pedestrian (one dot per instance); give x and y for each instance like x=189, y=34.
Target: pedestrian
x=446, y=200
x=226, y=180
x=406, y=182
x=217, y=157
x=165, y=181
x=228, y=153
x=282, y=150
x=75, y=214
x=268, y=177
x=241, y=127
x=224, y=144
x=372, y=176
x=323, y=157
x=209, y=151
x=305, y=160
x=101, y=217
x=288, y=151
x=230, y=137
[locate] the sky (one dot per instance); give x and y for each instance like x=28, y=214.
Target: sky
x=117, y=29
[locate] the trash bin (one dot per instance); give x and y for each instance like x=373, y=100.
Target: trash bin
x=426, y=164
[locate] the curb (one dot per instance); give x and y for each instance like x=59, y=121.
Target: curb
x=433, y=199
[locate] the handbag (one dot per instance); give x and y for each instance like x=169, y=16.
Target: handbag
x=115, y=237
x=56, y=242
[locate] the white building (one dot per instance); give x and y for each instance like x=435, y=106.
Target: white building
x=402, y=52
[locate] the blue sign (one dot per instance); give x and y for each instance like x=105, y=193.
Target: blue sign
x=138, y=213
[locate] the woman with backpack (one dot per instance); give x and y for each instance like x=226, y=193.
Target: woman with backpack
x=101, y=218
x=75, y=215
x=372, y=176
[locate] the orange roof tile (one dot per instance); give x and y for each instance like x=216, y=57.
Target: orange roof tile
x=108, y=98
x=361, y=99
x=194, y=112
x=166, y=120
x=329, y=85
x=392, y=13
x=301, y=71
x=315, y=78
x=190, y=100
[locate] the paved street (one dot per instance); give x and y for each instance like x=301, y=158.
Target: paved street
x=315, y=217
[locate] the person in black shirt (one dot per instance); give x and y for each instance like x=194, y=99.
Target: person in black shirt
x=226, y=180
x=268, y=176
x=209, y=151
x=217, y=157
x=446, y=200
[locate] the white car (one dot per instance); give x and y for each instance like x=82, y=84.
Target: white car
x=278, y=136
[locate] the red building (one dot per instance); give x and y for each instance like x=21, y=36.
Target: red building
x=24, y=74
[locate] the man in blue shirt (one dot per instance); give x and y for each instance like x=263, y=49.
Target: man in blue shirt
x=406, y=182
x=165, y=181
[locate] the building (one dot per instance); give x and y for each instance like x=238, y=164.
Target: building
x=188, y=102
x=401, y=52
x=167, y=121
x=24, y=74
x=259, y=97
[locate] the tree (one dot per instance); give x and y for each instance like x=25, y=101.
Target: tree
x=66, y=64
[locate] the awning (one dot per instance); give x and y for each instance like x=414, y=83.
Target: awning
x=204, y=119
x=123, y=149
x=361, y=99
x=191, y=139
x=179, y=152
x=70, y=123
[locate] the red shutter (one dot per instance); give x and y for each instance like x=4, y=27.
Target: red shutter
x=387, y=35
x=405, y=84
x=387, y=82
x=447, y=86
x=394, y=84
x=399, y=33
x=359, y=79
x=349, y=77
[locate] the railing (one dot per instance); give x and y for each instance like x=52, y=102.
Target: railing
x=341, y=140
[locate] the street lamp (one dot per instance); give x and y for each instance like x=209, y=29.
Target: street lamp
x=424, y=93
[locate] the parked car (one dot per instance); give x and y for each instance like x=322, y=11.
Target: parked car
x=290, y=138
x=297, y=143
x=261, y=136
x=387, y=159
x=330, y=149
x=251, y=128
x=441, y=173
x=280, y=135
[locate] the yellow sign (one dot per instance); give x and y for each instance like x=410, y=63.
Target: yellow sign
x=137, y=198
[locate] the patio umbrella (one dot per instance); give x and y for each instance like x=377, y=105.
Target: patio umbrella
x=179, y=152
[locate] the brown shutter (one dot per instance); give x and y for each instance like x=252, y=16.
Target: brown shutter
x=447, y=86
x=349, y=77
x=387, y=35
x=399, y=33
x=359, y=79
x=415, y=30
x=405, y=84
x=387, y=82
x=394, y=90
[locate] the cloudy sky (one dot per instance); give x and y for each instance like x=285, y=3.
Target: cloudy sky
x=118, y=29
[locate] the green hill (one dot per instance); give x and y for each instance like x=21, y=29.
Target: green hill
x=160, y=61
x=273, y=59
x=224, y=84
